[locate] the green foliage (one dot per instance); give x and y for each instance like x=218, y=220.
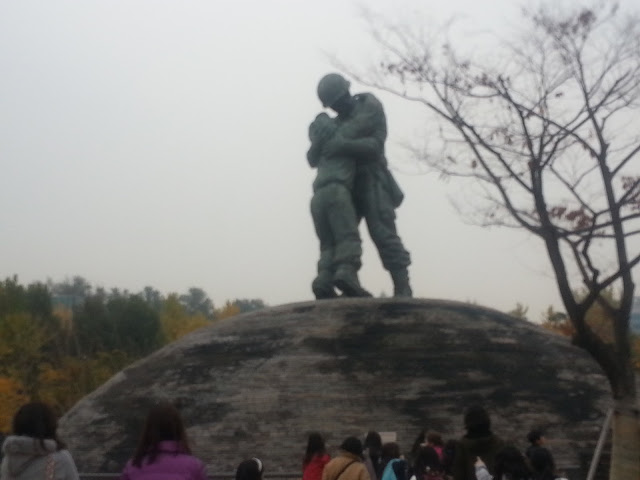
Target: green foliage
x=176, y=321
x=60, y=341
x=197, y=301
x=249, y=304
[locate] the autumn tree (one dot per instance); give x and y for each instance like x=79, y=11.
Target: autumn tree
x=544, y=129
x=176, y=321
x=197, y=301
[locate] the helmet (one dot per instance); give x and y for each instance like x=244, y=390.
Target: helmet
x=331, y=87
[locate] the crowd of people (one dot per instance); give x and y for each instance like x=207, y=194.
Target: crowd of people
x=34, y=452
x=478, y=455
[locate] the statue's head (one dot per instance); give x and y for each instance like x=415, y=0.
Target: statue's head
x=333, y=90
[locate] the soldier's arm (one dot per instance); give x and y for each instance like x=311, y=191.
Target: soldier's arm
x=364, y=134
x=366, y=149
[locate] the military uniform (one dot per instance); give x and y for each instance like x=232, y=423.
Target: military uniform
x=334, y=216
x=376, y=194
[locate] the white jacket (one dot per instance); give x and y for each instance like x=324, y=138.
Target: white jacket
x=26, y=459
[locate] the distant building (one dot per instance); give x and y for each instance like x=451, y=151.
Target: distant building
x=634, y=324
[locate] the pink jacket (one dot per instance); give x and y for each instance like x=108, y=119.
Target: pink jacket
x=170, y=464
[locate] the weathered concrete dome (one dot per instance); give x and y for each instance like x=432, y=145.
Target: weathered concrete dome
x=256, y=384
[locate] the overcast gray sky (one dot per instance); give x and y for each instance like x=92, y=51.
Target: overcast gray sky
x=162, y=143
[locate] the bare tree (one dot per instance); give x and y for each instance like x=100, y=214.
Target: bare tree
x=548, y=128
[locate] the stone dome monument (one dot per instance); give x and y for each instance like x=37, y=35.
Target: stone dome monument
x=257, y=384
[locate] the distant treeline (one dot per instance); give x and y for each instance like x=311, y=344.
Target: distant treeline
x=59, y=341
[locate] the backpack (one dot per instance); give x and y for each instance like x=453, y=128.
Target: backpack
x=389, y=472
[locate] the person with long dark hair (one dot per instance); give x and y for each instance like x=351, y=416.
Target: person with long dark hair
x=373, y=455
x=420, y=441
x=34, y=451
x=315, y=457
x=163, y=449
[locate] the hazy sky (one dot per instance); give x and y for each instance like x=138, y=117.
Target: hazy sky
x=162, y=143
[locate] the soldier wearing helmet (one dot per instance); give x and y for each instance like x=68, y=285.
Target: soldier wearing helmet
x=361, y=134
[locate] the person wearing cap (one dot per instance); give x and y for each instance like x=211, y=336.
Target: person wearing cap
x=348, y=465
x=361, y=134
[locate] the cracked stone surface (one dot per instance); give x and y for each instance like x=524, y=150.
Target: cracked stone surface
x=256, y=384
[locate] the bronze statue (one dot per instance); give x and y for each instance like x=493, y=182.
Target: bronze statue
x=359, y=132
x=334, y=216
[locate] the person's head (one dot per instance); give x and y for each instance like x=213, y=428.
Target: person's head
x=333, y=92
x=315, y=446
x=352, y=445
x=477, y=421
x=163, y=423
x=427, y=460
x=511, y=465
x=390, y=450
x=434, y=439
x=321, y=124
x=251, y=469
x=36, y=420
x=536, y=437
x=373, y=440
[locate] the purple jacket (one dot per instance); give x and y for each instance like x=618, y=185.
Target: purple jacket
x=170, y=464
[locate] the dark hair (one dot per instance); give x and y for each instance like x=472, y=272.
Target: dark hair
x=163, y=423
x=352, y=445
x=477, y=421
x=315, y=446
x=510, y=464
x=427, y=460
x=417, y=443
x=534, y=435
x=37, y=420
x=373, y=444
x=390, y=450
x=251, y=469
x=435, y=439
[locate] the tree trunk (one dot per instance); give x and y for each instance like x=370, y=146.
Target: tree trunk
x=625, y=460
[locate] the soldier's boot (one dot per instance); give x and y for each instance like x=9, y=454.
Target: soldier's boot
x=322, y=286
x=401, y=287
x=346, y=279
